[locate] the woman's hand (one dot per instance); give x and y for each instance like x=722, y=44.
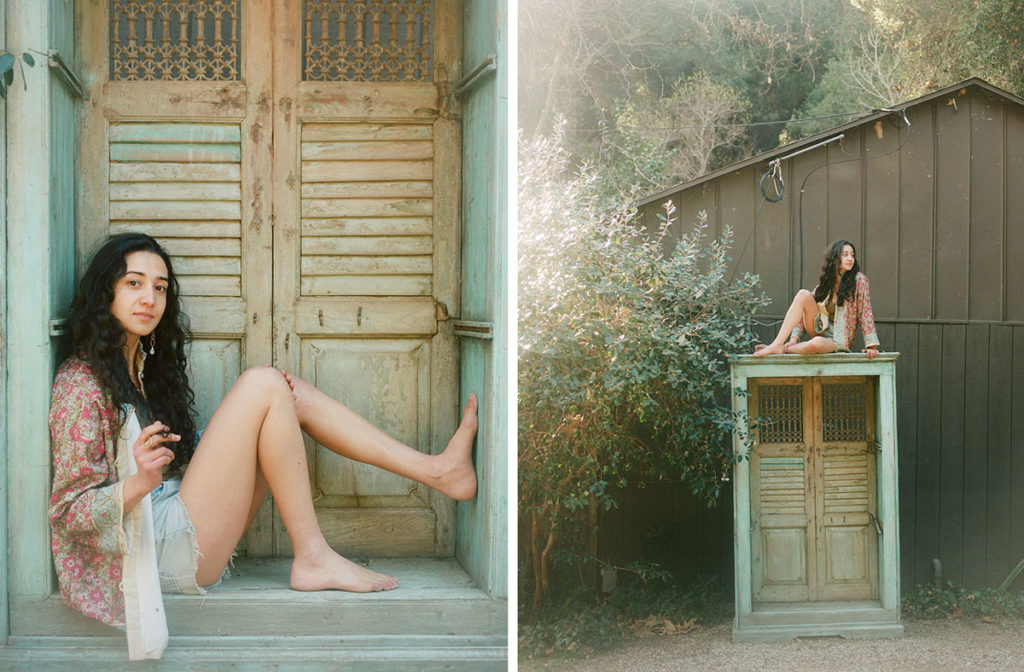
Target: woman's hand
x=870, y=352
x=151, y=456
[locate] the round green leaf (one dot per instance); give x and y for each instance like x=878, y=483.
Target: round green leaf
x=6, y=62
x=27, y=57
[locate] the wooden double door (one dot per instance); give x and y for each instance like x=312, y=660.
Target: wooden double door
x=814, y=534
x=299, y=159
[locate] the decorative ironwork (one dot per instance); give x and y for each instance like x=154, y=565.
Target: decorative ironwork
x=844, y=412
x=368, y=41
x=181, y=40
x=782, y=409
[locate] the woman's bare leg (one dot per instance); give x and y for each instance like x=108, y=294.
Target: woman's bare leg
x=341, y=430
x=801, y=312
x=815, y=346
x=255, y=435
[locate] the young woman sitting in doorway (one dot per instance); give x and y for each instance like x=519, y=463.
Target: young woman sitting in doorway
x=143, y=502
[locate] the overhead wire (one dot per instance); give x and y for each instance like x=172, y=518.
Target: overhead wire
x=774, y=178
x=751, y=124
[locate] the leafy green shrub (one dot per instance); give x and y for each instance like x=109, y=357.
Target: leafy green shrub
x=582, y=624
x=951, y=600
x=622, y=357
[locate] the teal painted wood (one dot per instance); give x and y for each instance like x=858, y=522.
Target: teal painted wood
x=277, y=654
x=741, y=496
x=438, y=616
x=486, y=289
x=4, y=611
x=149, y=132
x=888, y=492
x=436, y=597
x=40, y=206
x=38, y=199
x=176, y=151
x=777, y=621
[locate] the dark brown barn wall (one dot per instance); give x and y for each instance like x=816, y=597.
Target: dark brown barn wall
x=939, y=225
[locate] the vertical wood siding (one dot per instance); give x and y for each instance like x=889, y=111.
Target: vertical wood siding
x=937, y=215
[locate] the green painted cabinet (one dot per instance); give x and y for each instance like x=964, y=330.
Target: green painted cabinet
x=815, y=497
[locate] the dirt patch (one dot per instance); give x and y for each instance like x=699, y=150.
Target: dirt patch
x=929, y=646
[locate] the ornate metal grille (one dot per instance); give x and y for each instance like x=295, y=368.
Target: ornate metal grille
x=782, y=409
x=183, y=40
x=844, y=412
x=370, y=41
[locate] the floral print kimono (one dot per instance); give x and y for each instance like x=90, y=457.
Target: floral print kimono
x=105, y=558
x=853, y=312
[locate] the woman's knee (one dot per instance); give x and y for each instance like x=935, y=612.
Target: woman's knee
x=803, y=295
x=264, y=380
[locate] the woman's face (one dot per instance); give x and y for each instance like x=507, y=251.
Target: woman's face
x=140, y=295
x=846, y=259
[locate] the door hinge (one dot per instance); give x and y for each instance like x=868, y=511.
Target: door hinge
x=484, y=330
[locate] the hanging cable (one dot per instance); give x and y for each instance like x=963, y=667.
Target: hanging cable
x=775, y=188
x=800, y=206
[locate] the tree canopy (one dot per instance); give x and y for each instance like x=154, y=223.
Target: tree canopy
x=642, y=75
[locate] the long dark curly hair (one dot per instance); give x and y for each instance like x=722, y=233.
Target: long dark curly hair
x=829, y=270
x=98, y=338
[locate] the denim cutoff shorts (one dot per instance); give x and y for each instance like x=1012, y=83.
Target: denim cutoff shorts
x=177, y=551
x=823, y=332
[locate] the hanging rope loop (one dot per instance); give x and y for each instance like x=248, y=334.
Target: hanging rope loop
x=772, y=185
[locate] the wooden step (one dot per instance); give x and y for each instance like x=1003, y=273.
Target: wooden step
x=435, y=597
x=305, y=654
x=436, y=619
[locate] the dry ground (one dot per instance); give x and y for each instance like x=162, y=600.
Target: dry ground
x=929, y=646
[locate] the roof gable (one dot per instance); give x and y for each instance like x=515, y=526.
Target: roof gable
x=973, y=82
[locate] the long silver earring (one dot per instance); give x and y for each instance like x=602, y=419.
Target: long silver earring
x=152, y=343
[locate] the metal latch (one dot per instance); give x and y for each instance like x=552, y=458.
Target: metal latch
x=488, y=65
x=484, y=330
x=58, y=326
x=878, y=525
x=65, y=74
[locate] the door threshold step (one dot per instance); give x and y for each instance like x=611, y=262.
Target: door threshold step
x=297, y=654
x=435, y=597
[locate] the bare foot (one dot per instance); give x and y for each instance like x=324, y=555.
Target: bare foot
x=330, y=571
x=772, y=349
x=456, y=477
x=759, y=347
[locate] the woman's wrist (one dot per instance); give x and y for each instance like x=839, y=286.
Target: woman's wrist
x=133, y=490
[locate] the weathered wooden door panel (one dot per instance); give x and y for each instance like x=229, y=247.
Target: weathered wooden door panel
x=299, y=162
x=366, y=247
x=813, y=498
x=846, y=498
x=783, y=537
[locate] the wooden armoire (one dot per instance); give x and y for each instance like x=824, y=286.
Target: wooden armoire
x=815, y=497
